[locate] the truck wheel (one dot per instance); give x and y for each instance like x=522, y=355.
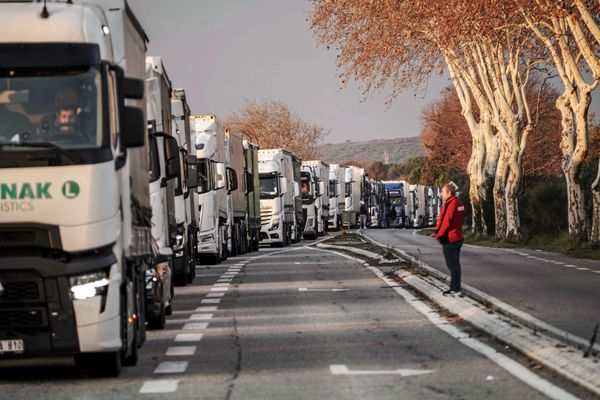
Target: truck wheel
x=101, y=365
x=132, y=359
x=160, y=320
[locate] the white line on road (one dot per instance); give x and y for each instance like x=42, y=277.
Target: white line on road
x=206, y=309
x=188, y=337
x=210, y=301
x=219, y=289
x=175, y=351
x=201, y=317
x=213, y=295
x=160, y=386
x=171, y=367
x=302, y=289
x=571, y=266
x=195, y=326
x=341, y=369
x=221, y=285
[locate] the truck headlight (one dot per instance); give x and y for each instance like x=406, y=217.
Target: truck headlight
x=275, y=226
x=89, y=285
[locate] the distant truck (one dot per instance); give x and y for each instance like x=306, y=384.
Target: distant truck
x=353, y=194
x=321, y=194
x=236, y=193
x=336, y=196
x=397, y=194
x=299, y=220
x=212, y=189
x=252, y=187
x=277, y=196
x=76, y=221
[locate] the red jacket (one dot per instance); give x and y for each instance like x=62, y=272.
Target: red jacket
x=450, y=222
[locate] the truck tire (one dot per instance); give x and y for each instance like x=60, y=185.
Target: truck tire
x=160, y=320
x=101, y=365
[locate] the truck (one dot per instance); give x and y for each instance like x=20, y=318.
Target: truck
x=212, y=191
x=186, y=198
x=321, y=193
x=336, y=196
x=299, y=220
x=309, y=192
x=252, y=185
x=277, y=197
x=159, y=277
x=353, y=193
x=397, y=195
x=237, y=204
x=75, y=220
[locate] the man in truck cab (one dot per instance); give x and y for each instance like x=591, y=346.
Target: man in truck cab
x=68, y=123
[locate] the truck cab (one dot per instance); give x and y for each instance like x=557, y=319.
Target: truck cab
x=336, y=196
x=309, y=189
x=74, y=182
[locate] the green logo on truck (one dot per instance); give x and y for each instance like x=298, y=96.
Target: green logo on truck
x=70, y=189
x=25, y=191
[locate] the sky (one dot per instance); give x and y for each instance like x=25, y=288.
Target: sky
x=227, y=52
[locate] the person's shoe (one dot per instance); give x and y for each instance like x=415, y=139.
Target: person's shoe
x=451, y=292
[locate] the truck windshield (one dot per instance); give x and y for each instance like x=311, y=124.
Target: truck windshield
x=348, y=189
x=204, y=176
x=306, y=187
x=269, y=186
x=61, y=107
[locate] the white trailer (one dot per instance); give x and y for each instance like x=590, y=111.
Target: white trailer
x=309, y=190
x=336, y=195
x=186, y=198
x=277, y=196
x=78, y=191
x=353, y=193
x=236, y=192
x=321, y=172
x=212, y=192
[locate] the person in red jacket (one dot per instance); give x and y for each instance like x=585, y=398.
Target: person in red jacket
x=448, y=232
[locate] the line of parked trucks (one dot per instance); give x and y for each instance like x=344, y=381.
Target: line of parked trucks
x=112, y=191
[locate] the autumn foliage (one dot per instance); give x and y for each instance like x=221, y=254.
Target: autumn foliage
x=272, y=124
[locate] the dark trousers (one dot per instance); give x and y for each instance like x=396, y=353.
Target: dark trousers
x=452, y=256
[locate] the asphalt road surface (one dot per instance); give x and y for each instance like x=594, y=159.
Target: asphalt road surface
x=298, y=323
x=557, y=289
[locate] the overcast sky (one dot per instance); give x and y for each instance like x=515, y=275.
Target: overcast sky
x=224, y=52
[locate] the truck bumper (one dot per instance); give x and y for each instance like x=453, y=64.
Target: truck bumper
x=36, y=306
x=271, y=237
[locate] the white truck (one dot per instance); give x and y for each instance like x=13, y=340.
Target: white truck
x=159, y=278
x=75, y=220
x=277, y=197
x=186, y=199
x=321, y=172
x=353, y=192
x=309, y=190
x=336, y=196
x=252, y=188
x=238, y=207
x=212, y=192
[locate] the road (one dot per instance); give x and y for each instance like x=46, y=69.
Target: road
x=557, y=289
x=298, y=323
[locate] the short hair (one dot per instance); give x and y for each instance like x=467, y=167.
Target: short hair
x=451, y=187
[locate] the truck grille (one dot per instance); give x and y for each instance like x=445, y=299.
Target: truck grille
x=13, y=319
x=265, y=215
x=15, y=292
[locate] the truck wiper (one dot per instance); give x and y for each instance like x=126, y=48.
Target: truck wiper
x=59, y=150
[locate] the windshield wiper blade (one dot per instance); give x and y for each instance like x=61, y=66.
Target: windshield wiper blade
x=51, y=146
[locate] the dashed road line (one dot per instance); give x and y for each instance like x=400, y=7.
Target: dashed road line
x=188, y=337
x=210, y=301
x=206, y=309
x=176, y=351
x=201, y=317
x=195, y=326
x=171, y=367
x=160, y=386
x=215, y=295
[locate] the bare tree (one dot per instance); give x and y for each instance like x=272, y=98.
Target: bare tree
x=272, y=124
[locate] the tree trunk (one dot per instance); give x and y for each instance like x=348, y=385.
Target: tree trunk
x=595, y=236
x=571, y=167
x=500, y=197
x=474, y=170
x=513, y=220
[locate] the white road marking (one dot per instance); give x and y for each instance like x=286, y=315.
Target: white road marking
x=596, y=272
x=175, y=351
x=340, y=369
x=188, y=337
x=160, y=386
x=213, y=295
x=583, y=269
x=195, y=325
x=210, y=301
x=571, y=266
x=221, y=284
x=206, y=309
x=302, y=289
x=201, y=317
x=219, y=289
x=171, y=367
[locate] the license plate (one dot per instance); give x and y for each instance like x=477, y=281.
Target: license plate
x=11, y=346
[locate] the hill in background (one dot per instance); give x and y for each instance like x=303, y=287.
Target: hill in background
x=399, y=150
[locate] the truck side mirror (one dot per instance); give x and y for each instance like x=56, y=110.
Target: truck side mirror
x=283, y=186
x=220, y=167
x=191, y=165
x=133, y=127
x=173, y=163
x=233, y=180
x=131, y=88
x=249, y=182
